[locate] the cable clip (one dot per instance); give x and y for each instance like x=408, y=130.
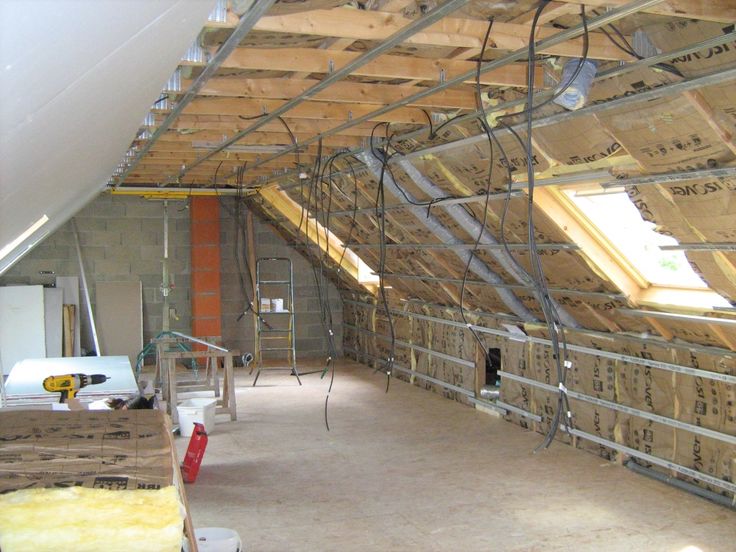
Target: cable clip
x=568, y=364
x=469, y=326
x=331, y=332
x=562, y=388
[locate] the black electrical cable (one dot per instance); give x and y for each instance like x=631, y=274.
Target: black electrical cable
x=548, y=308
x=489, y=181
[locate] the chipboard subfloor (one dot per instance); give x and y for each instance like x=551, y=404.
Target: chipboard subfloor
x=410, y=470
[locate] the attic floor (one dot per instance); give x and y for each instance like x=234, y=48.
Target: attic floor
x=409, y=470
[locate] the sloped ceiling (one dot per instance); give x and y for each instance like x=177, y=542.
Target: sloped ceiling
x=77, y=79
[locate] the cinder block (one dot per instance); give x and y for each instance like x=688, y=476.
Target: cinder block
x=151, y=252
x=100, y=209
x=111, y=266
x=99, y=239
x=124, y=225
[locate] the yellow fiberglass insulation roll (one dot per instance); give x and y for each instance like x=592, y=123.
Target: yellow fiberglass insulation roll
x=90, y=520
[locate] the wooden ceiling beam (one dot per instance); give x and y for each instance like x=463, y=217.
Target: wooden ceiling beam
x=230, y=123
x=450, y=32
x=345, y=91
x=262, y=138
x=189, y=155
x=306, y=110
x=384, y=67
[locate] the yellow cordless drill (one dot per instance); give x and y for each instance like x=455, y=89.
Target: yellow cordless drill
x=69, y=384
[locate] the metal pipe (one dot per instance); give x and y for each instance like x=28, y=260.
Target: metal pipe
x=720, y=246
x=632, y=338
x=695, y=372
x=442, y=203
x=562, y=36
x=664, y=420
x=256, y=10
x=165, y=284
x=85, y=288
x=458, y=281
x=201, y=341
x=680, y=484
x=689, y=472
x=680, y=317
x=468, y=246
x=444, y=235
x=474, y=227
x=397, y=38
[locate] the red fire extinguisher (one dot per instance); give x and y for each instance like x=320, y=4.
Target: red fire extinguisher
x=195, y=453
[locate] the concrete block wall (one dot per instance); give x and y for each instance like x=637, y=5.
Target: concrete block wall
x=310, y=335
x=122, y=240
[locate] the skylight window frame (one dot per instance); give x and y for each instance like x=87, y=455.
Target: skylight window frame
x=606, y=258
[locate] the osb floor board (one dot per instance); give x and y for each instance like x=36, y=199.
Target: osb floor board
x=409, y=470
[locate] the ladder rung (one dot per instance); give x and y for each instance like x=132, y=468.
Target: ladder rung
x=275, y=331
x=285, y=282
x=276, y=349
x=275, y=312
x=276, y=337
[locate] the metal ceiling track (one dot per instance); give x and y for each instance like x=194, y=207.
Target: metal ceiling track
x=630, y=337
x=395, y=39
x=604, y=178
x=472, y=246
x=668, y=366
x=622, y=70
x=521, y=53
x=257, y=10
x=656, y=93
x=458, y=281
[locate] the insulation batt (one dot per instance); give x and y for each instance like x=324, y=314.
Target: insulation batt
x=90, y=520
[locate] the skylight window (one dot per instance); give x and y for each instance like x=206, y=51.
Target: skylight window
x=619, y=220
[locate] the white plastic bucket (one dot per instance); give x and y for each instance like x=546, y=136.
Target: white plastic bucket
x=196, y=410
x=277, y=305
x=217, y=539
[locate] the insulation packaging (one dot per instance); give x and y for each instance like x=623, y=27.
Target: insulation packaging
x=87, y=481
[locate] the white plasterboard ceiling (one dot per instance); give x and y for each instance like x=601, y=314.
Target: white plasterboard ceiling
x=77, y=78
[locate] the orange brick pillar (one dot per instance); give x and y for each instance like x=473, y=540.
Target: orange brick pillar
x=205, y=241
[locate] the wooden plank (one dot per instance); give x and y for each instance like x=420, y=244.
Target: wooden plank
x=70, y=286
x=344, y=91
x=701, y=105
x=306, y=110
x=69, y=320
x=228, y=123
x=175, y=139
x=384, y=67
x=293, y=211
x=450, y=31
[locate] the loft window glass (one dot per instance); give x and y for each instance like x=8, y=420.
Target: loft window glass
x=616, y=216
